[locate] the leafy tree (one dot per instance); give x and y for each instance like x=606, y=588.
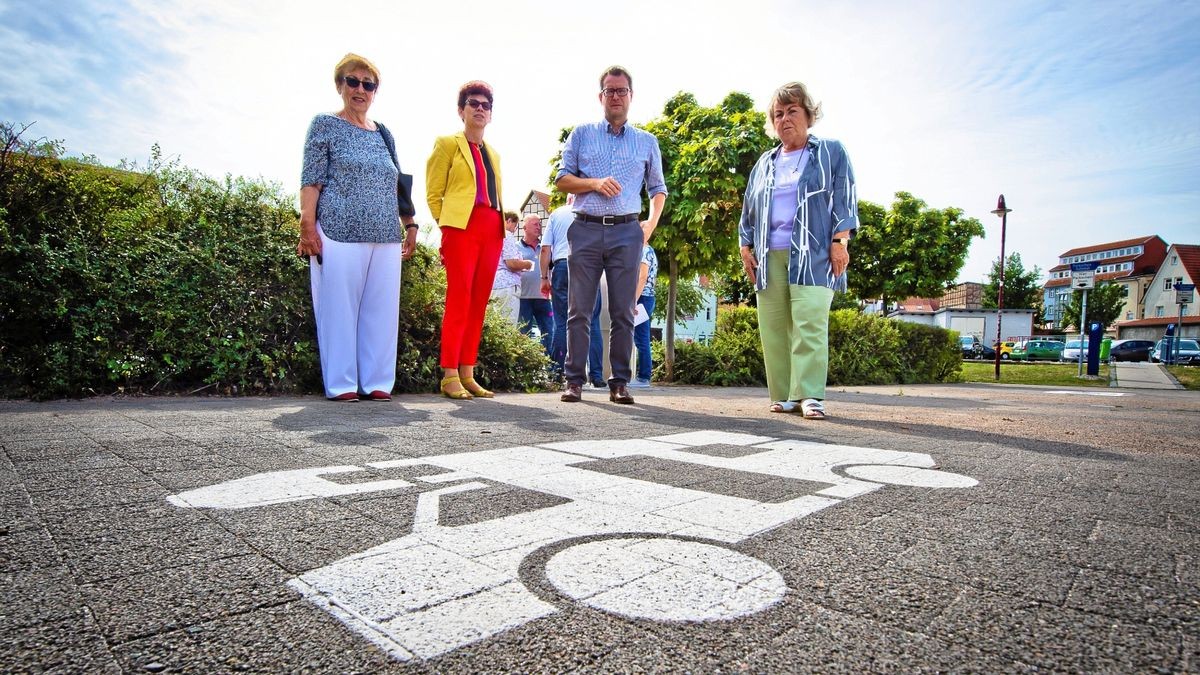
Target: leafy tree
x=1104, y=304
x=908, y=249
x=707, y=156
x=1021, y=288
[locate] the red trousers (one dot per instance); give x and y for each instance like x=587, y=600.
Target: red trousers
x=470, y=257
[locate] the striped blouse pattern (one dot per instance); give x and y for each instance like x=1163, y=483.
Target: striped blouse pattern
x=826, y=204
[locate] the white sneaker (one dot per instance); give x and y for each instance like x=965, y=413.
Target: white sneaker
x=639, y=383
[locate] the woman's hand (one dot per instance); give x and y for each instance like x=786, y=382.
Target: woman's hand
x=409, y=246
x=839, y=258
x=310, y=241
x=749, y=264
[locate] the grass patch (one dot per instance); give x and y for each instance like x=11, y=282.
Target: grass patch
x=1049, y=374
x=1188, y=376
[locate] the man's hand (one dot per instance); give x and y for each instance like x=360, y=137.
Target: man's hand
x=546, y=287
x=609, y=187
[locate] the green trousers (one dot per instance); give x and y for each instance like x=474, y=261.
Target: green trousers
x=793, y=323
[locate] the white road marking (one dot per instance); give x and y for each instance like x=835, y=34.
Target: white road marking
x=1089, y=393
x=443, y=587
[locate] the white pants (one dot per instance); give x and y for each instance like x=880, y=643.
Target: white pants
x=509, y=302
x=356, y=300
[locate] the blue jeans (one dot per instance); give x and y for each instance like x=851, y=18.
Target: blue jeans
x=537, y=309
x=641, y=340
x=558, y=298
x=596, y=347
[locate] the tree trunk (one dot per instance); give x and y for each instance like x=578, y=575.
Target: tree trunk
x=669, y=335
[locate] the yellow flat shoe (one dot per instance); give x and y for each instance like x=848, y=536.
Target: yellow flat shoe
x=456, y=392
x=477, y=391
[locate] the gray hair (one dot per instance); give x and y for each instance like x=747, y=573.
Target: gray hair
x=792, y=92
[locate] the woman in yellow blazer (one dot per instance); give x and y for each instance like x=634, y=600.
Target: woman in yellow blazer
x=462, y=180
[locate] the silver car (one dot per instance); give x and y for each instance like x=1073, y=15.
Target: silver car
x=1186, y=352
x=1071, y=351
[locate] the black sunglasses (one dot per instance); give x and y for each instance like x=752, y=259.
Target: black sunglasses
x=354, y=82
x=476, y=103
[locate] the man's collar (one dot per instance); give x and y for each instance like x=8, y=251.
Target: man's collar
x=608, y=128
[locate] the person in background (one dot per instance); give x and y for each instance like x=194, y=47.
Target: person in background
x=647, y=279
x=463, y=187
x=799, y=213
x=606, y=165
x=506, y=289
x=553, y=262
x=534, y=306
x=350, y=217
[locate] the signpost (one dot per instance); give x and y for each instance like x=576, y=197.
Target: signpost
x=1083, y=277
x=1183, y=296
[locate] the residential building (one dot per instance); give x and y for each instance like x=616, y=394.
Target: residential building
x=1181, y=264
x=537, y=203
x=967, y=295
x=1130, y=262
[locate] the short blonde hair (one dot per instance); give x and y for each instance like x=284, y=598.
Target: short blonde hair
x=351, y=62
x=792, y=93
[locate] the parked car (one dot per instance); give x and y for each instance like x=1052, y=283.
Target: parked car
x=1186, y=351
x=1130, y=350
x=973, y=348
x=1038, y=350
x=1072, y=349
x=1006, y=349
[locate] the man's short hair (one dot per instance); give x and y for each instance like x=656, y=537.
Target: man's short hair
x=512, y=215
x=616, y=71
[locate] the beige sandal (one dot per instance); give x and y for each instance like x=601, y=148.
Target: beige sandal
x=457, y=393
x=477, y=391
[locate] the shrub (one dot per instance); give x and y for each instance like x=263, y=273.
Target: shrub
x=863, y=349
x=167, y=280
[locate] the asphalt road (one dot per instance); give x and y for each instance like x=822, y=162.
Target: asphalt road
x=964, y=528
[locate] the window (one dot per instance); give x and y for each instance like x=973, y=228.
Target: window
x=1166, y=285
x=1128, y=316
x=1174, y=260
x=1158, y=311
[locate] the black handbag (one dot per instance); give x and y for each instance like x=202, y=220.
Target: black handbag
x=405, y=181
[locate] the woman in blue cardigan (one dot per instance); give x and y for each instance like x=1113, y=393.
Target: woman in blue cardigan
x=799, y=213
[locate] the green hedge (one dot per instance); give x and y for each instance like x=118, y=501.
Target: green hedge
x=863, y=349
x=169, y=281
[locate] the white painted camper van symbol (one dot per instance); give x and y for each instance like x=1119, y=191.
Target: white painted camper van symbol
x=620, y=544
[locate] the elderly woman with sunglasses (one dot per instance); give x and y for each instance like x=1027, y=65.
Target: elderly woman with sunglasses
x=462, y=182
x=351, y=211
x=797, y=219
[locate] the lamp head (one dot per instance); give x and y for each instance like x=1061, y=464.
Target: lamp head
x=1001, y=209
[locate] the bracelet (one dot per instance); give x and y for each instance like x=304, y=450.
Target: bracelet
x=408, y=225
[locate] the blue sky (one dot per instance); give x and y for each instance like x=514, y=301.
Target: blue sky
x=1082, y=113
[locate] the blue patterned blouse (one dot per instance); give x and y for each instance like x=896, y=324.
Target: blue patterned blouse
x=358, y=177
x=650, y=259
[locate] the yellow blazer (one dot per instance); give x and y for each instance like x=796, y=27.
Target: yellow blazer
x=450, y=180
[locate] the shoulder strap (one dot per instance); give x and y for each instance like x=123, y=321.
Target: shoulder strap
x=404, y=182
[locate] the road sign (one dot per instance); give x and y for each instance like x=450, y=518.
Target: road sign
x=1083, y=275
x=1183, y=293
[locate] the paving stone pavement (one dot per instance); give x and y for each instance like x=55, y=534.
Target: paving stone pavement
x=963, y=528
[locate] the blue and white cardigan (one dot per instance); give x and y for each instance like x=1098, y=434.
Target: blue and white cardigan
x=827, y=205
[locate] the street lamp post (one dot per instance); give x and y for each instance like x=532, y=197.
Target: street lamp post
x=1002, y=211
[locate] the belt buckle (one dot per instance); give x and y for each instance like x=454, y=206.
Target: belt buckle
x=607, y=220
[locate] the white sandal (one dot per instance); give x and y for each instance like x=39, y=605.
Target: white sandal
x=812, y=409
x=784, y=406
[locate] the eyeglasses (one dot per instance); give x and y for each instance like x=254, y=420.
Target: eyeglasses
x=476, y=103
x=354, y=82
x=618, y=92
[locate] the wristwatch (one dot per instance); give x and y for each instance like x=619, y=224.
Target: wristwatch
x=841, y=240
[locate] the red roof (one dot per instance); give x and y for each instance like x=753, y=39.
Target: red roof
x=1111, y=245
x=1159, y=321
x=1189, y=255
x=920, y=304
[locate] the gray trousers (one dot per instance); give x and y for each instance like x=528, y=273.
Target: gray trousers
x=616, y=252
